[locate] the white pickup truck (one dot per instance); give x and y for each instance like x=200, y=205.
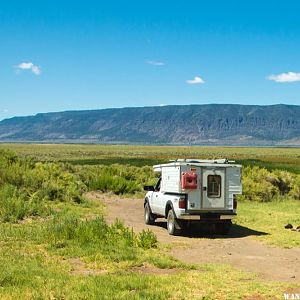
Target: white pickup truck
x=191, y=190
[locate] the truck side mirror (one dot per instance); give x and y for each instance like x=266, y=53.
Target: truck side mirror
x=149, y=188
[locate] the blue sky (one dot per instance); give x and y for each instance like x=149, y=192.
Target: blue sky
x=71, y=55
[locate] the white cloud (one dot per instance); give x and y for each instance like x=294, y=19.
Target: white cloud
x=36, y=70
x=155, y=63
x=29, y=66
x=196, y=80
x=285, y=77
x=26, y=66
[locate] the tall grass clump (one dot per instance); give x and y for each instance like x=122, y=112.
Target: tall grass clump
x=115, y=242
x=147, y=239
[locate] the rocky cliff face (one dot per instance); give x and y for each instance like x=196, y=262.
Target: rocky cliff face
x=187, y=124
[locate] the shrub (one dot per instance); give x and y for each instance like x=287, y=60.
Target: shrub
x=16, y=204
x=25, y=186
x=295, y=190
x=54, y=182
x=118, y=179
x=255, y=185
x=147, y=239
x=283, y=180
x=262, y=185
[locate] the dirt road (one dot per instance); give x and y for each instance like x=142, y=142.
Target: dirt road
x=239, y=248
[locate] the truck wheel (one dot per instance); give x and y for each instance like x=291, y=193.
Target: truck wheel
x=173, y=224
x=223, y=228
x=148, y=215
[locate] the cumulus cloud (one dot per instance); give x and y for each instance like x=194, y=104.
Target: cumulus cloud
x=29, y=66
x=285, y=77
x=155, y=63
x=196, y=80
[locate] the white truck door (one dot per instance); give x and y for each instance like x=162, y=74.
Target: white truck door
x=213, y=188
x=155, y=202
x=157, y=199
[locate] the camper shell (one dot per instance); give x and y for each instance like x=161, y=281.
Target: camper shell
x=195, y=190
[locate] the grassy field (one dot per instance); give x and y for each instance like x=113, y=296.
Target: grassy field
x=269, y=219
x=55, y=243
x=64, y=257
x=271, y=158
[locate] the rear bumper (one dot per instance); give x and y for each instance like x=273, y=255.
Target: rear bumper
x=207, y=216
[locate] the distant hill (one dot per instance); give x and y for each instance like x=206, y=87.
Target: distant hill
x=225, y=124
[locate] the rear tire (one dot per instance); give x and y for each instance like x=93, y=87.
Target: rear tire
x=149, y=217
x=173, y=225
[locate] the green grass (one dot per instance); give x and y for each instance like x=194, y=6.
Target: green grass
x=46, y=224
x=35, y=265
x=270, y=218
x=50, y=279
x=138, y=155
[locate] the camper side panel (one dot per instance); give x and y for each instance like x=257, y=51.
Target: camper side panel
x=233, y=184
x=171, y=180
x=194, y=196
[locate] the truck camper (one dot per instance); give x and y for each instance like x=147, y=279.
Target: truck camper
x=193, y=190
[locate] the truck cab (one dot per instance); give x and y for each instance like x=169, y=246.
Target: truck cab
x=193, y=190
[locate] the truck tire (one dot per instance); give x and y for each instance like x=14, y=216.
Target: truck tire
x=149, y=217
x=173, y=225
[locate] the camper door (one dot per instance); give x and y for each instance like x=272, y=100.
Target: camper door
x=213, y=189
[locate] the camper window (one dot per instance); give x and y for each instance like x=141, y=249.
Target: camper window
x=214, y=186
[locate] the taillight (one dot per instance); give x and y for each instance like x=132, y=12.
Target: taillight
x=182, y=203
x=234, y=202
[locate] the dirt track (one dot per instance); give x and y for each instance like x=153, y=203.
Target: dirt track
x=238, y=248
